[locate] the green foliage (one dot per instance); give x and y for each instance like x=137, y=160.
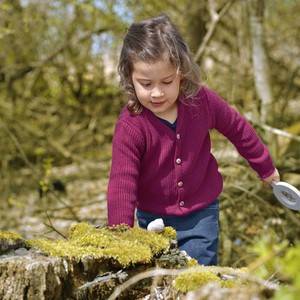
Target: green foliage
x=290, y=270
x=268, y=250
x=128, y=246
x=53, y=60
x=278, y=260
x=55, y=57
x=47, y=166
x=13, y=202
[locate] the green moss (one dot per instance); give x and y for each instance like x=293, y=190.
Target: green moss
x=192, y=263
x=196, y=277
x=8, y=235
x=128, y=246
x=170, y=232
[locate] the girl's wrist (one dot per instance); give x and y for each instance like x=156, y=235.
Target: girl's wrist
x=274, y=177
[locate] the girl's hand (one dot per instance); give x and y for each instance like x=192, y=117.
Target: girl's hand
x=274, y=177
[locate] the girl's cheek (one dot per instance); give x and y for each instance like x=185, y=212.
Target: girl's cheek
x=142, y=93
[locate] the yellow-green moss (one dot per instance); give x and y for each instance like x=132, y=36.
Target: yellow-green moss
x=192, y=263
x=9, y=235
x=195, y=277
x=170, y=232
x=126, y=245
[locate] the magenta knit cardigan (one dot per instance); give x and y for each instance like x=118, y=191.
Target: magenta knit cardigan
x=168, y=172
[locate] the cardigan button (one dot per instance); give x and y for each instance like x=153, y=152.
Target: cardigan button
x=180, y=183
x=178, y=136
x=178, y=161
x=181, y=203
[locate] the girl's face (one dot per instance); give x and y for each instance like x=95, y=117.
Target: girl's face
x=157, y=86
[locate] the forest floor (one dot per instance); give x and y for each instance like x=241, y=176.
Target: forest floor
x=76, y=193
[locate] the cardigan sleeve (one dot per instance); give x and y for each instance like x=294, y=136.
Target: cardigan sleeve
x=241, y=134
x=127, y=150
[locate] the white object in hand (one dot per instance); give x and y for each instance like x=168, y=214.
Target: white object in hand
x=157, y=225
x=287, y=194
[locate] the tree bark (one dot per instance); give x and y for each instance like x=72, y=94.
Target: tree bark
x=31, y=274
x=260, y=60
x=32, y=277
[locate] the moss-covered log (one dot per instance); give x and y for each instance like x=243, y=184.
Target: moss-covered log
x=112, y=263
x=88, y=265
x=33, y=276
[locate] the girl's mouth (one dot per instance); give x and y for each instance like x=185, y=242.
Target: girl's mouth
x=157, y=104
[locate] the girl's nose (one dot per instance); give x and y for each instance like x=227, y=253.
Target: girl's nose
x=156, y=92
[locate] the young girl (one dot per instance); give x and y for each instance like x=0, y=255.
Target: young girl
x=161, y=160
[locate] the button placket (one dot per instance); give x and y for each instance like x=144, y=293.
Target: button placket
x=178, y=161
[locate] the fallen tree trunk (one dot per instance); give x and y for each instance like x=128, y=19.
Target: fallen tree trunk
x=33, y=276
x=108, y=263
x=89, y=265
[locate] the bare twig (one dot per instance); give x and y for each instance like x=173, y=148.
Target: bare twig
x=140, y=276
x=17, y=144
x=61, y=149
x=215, y=19
x=70, y=208
x=292, y=217
x=50, y=225
x=39, y=210
x=275, y=130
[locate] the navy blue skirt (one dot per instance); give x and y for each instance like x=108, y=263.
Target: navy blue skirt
x=197, y=233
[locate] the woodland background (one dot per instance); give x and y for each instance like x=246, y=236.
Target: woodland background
x=59, y=101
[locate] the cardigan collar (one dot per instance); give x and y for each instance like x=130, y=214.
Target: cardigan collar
x=153, y=119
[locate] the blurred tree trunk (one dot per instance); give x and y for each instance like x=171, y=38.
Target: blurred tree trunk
x=261, y=71
x=260, y=60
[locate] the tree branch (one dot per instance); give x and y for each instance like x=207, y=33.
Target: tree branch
x=275, y=130
x=17, y=144
x=20, y=70
x=215, y=19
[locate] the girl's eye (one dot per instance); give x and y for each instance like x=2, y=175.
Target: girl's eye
x=167, y=82
x=145, y=84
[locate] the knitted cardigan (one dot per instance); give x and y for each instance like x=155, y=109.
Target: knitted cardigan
x=167, y=172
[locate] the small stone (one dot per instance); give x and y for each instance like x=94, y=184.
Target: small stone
x=157, y=226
